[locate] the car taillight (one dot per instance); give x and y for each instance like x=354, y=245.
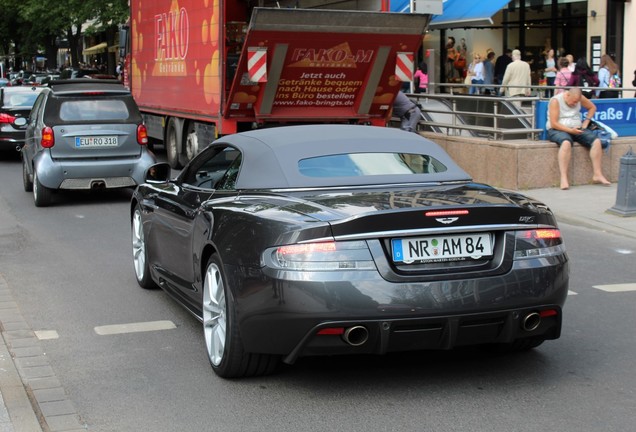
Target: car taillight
x=323, y=256
x=538, y=243
x=6, y=118
x=48, y=137
x=142, y=135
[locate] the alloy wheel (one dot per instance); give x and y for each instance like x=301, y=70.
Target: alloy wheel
x=139, y=246
x=214, y=314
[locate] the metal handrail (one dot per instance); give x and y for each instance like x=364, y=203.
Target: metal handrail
x=496, y=131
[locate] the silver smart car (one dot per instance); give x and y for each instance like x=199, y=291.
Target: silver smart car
x=84, y=134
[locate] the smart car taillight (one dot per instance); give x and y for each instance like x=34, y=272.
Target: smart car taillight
x=6, y=118
x=324, y=256
x=48, y=137
x=142, y=135
x=538, y=243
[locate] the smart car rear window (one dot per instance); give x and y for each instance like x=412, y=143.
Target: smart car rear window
x=365, y=164
x=93, y=109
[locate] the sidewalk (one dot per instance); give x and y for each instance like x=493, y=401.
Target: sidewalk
x=586, y=206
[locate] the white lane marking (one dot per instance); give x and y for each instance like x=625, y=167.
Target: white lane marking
x=617, y=287
x=134, y=327
x=624, y=251
x=46, y=334
x=572, y=293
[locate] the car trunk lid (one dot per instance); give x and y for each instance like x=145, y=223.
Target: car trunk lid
x=95, y=141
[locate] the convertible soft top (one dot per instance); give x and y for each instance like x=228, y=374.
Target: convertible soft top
x=271, y=156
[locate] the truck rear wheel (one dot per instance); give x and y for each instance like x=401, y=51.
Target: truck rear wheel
x=173, y=143
x=192, y=142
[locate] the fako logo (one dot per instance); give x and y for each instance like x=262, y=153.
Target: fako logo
x=338, y=56
x=172, y=32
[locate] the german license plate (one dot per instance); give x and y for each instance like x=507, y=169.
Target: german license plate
x=442, y=248
x=97, y=141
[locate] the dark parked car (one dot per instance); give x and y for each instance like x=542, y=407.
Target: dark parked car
x=15, y=103
x=84, y=134
x=322, y=240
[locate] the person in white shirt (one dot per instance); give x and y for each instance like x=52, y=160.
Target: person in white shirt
x=476, y=72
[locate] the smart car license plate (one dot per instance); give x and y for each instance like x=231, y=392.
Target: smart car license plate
x=442, y=248
x=96, y=141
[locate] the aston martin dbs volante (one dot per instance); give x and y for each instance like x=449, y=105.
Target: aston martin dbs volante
x=334, y=239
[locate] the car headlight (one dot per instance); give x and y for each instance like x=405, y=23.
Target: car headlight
x=323, y=256
x=538, y=243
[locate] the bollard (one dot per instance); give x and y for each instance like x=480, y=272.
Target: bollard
x=626, y=191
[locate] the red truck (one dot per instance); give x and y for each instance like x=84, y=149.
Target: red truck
x=202, y=68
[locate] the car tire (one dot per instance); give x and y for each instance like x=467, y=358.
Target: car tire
x=26, y=179
x=173, y=138
x=42, y=196
x=140, y=253
x=192, y=142
x=221, y=332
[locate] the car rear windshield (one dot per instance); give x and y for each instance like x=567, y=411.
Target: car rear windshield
x=97, y=109
x=364, y=164
x=25, y=99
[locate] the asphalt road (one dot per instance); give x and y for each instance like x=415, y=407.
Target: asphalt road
x=69, y=267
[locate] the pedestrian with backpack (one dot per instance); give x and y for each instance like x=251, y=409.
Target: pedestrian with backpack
x=583, y=77
x=608, y=77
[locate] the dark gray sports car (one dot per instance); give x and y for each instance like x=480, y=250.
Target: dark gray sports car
x=333, y=239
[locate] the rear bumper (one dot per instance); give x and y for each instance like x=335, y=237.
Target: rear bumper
x=10, y=142
x=428, y=333
x=282, y=316
x=86, y=173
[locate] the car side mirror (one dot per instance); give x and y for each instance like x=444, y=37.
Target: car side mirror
x=158, y=173
x=20, y=122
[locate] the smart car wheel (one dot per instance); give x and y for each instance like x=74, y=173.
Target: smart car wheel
x=221, y=333
x=26, y=179
x=140, y=261
x=42, y=195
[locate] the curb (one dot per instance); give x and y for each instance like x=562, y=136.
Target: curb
x=34, y=399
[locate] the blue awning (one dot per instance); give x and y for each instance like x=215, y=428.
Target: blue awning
x=458, y=13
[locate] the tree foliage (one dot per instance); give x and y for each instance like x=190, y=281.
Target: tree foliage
x=36, y=26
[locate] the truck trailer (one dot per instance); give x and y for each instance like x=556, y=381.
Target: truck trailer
x=203, y=68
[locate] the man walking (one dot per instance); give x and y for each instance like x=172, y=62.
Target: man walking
x=517, y=78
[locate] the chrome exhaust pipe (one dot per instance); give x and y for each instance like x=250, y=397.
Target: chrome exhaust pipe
x=356, y=335
x=98, y=185
x=18, y=148
x=531, y=321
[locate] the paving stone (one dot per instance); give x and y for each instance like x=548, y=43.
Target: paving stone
x=43, y=383
x=65, y=423
x=37, y=372
x=27, y=352
x=15, y=325
x=18, y=334
x=10, y=315
x=23, y=343
x=27, y=362
x=57, y=408
x=49, y=395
